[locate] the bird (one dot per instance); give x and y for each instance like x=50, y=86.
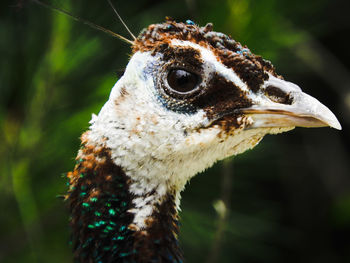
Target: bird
x=189, y=97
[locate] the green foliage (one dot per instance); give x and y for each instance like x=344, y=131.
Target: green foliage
x=288, y=199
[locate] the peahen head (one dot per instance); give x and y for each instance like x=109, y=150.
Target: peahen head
x=188, y=98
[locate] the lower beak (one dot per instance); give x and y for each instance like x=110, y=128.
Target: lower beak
x=304, y=111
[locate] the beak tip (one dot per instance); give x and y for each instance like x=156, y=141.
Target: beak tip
x=329, y=118
x=336, y=125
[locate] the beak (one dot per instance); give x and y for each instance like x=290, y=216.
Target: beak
x=301, y=109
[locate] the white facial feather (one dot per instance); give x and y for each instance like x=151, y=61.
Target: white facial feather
x=157, y=148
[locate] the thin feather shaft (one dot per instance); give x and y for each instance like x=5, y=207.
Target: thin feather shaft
x=86, y=22
x=121, y=20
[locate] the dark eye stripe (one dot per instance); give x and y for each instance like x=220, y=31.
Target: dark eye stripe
x=221, y=96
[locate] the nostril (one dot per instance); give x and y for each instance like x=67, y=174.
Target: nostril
x=277, y=95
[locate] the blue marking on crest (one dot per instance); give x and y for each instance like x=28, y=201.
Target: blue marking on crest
x=190, y=22
x=244, y=52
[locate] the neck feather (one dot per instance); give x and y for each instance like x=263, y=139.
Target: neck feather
x=103, y=212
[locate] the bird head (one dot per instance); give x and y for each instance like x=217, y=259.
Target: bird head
x=190, y=97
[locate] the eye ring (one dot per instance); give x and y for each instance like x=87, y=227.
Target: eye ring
x=182, y=81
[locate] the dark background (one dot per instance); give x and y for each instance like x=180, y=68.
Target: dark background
x=288, y=200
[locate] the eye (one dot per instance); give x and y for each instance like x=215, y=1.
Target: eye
x=182, y=81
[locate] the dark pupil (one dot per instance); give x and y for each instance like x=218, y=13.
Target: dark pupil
x=181, y=80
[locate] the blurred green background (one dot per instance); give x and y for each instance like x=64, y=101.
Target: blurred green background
x=288, y=200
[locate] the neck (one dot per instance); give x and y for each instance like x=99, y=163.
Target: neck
x=110, y=222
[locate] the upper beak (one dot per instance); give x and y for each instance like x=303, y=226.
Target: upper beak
x=301, y=110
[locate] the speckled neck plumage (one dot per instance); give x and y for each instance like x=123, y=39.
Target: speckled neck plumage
x=103, y=230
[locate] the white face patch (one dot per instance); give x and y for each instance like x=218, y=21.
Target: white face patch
x=159, y=149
